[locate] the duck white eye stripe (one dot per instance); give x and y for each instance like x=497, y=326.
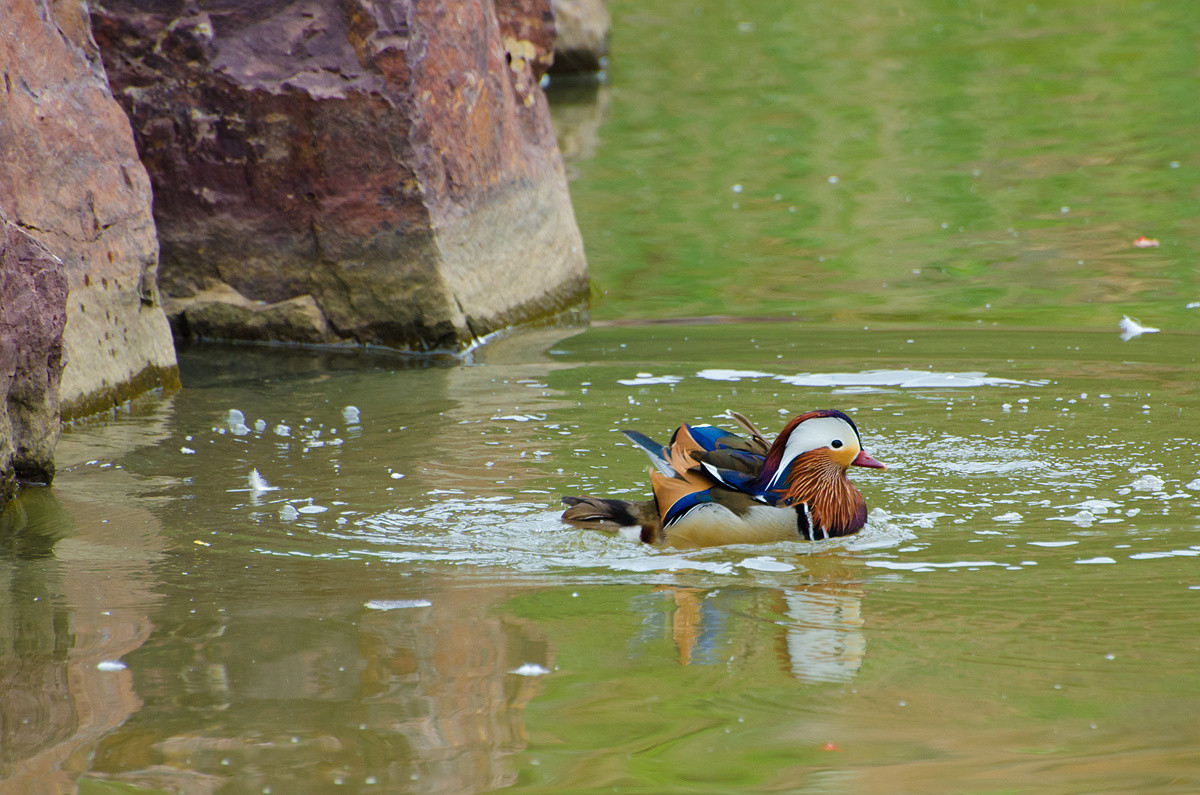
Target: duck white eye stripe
x=810, y=435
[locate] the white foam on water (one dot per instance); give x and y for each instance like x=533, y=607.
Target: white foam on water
x=904, y=379
x=397, y=604
x=646, y=380
x=1171, y=553
x=766, y=563
x=904, y=565
x=1148, y=483
x=530, y=669
x=717, y=374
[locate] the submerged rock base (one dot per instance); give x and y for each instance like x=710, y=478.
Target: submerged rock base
x=33, y=311
x=344, y=170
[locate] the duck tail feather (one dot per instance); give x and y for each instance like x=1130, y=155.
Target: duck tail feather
x=653, y=450
x=599, y=513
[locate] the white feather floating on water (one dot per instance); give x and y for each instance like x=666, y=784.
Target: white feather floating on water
x=1130, y=328
x=259, y=484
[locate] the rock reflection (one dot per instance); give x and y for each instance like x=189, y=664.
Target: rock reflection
x=330, y=692
x=578, y=108
x=62, y=630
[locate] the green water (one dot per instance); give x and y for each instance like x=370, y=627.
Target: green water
x=396, y=607
x=402, y=612
x=898, y=162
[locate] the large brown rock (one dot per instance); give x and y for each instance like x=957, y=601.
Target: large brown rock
x=388, y=165
x=33, y=311
x=70, y=177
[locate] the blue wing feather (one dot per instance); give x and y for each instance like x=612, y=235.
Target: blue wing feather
x=685, y=504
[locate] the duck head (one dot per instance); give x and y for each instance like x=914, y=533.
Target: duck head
x=807, y=465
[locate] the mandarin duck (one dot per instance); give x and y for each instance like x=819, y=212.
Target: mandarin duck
x=714, y=487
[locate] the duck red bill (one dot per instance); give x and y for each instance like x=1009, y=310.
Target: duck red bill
x=864, y=460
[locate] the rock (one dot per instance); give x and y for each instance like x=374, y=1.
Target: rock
x=379, y=172
x=70, y=177
x=582, y=42
x=33, y=311
x=223, y=313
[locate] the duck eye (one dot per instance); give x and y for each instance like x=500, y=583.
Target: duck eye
x=835, y=444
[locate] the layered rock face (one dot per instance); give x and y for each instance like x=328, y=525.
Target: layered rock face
x=33, y=311
x=378, y=172
x=70, y=178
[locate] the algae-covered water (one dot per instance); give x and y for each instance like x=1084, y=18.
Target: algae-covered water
x=331, y=572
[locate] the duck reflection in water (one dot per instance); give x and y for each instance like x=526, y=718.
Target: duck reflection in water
x=817, y=630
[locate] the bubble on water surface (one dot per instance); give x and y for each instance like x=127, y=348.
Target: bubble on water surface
x=1095, y=507
x=281, y=430
x=1099, y=559
x=236, y=421
x=288, y=513
x=312, y=509
x=260, y=425
x=111, y=665
x=1011, y=516
x=1148, y=483
x=351, y=415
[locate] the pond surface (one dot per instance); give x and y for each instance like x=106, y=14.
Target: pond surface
x=898, y=162
x=395, y=607
x=343, y=573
